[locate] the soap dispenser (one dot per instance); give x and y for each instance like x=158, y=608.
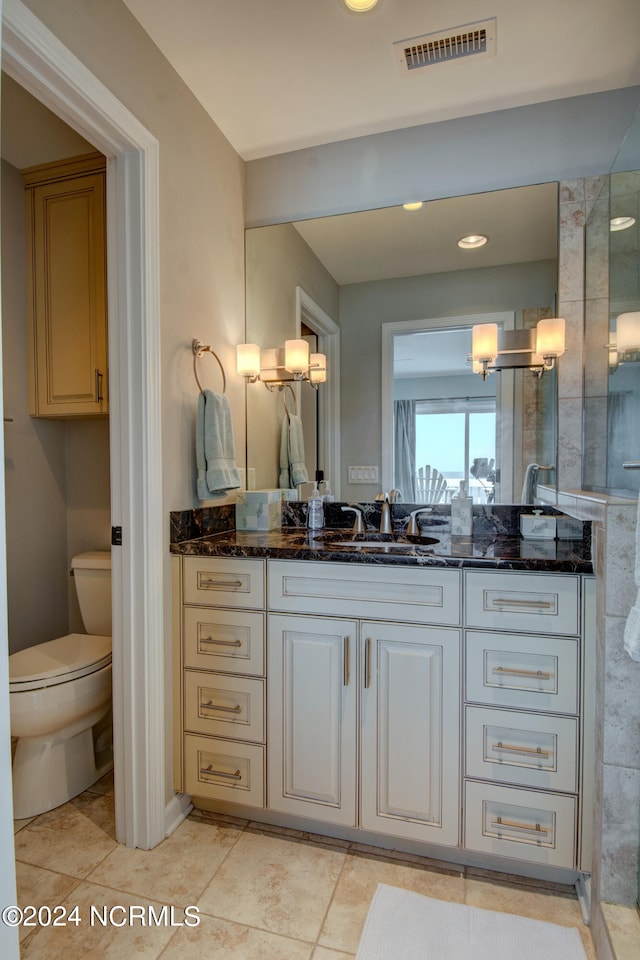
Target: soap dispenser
x=315, y=516
x=462, y=513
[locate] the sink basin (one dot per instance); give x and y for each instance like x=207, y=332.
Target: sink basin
x=387, y=541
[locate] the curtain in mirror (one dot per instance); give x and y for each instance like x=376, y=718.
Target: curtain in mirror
x=405, y=448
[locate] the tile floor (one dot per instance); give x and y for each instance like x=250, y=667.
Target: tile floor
x=262, y=893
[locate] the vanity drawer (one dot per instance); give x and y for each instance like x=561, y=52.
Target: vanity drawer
x=526, y=749
x=224, y=771
x=223, y=706
x=223, y=582
x=422, y=595
x=526, y=672
x=520, y=824
x=540, y=603
x=230, y=641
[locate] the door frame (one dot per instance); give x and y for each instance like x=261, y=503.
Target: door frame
x=328, y=333
x=34, y=57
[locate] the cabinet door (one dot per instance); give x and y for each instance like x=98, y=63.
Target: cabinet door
x=410, y=731
x=312, y=717
x=67, y=297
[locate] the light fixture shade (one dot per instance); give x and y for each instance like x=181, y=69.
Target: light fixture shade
x=484, y=341
x=318, y=368
x=628, y=332
x=296, y=356
x=248, y=359
x=550, y=337
x=360, y=6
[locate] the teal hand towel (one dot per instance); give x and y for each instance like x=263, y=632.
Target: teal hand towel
x=215, y=447
x=297, y=469
x=284, y=480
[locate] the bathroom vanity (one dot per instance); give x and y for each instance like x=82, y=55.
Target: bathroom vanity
x=418, y=699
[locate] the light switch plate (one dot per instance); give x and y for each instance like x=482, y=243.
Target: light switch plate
x=363, y=474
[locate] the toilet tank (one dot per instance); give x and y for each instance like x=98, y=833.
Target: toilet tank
x=92, y=576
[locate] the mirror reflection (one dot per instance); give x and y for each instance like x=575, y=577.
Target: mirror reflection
x=612, y=331
x=366, y=272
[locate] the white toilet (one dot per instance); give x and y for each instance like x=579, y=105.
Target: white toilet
x=60, y=700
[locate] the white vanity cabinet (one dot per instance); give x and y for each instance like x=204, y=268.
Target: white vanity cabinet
x=223, y=692
x=365, y=708
x=433, y=704
x=527, y=740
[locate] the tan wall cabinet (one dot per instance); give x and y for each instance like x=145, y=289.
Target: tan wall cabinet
x=66, y=288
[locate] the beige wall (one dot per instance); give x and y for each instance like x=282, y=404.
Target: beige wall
x=201, y=218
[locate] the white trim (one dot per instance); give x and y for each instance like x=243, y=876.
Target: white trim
x=395, y=328
x=36, y=59
x=329, y=342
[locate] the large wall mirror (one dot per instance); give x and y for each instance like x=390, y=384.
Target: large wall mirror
x=404, y=297
x=612, y=291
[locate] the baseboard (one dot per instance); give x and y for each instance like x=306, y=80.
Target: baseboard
x=177, y=810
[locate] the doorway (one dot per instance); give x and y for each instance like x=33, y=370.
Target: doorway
x=35, y=59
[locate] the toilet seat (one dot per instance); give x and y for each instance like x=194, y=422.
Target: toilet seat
x=58, y=661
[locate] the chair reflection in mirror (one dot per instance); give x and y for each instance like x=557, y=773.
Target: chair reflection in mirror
x=482, y=470
x=431, y=486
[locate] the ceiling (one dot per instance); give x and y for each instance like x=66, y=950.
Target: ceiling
x=280, y=75
x=521, y=224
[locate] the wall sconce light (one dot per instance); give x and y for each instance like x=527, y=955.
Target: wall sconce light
x=276, y=366
x=624, y=341
x=536, y=350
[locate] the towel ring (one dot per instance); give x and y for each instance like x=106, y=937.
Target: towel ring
x=287, y=386
x=199, y=348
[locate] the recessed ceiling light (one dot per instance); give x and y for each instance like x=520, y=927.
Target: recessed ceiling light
x=360, y=6
x=621, y=223
x=413, y=205
x=473, y=241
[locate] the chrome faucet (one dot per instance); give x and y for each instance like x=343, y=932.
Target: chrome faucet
x=358, y=522
x=413, y=530
x=385, y=516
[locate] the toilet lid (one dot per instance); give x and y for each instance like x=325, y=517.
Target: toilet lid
x=58, y=661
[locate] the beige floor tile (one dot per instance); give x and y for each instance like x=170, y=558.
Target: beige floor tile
x=41, y=888
x=275, y=884
x=357, y=885
x=128, y=941
x=20, y=824
x=177, y=870
x=529, y=903
x=72, y=839
x=104, y=785
x=323, y=953
x=222, y=940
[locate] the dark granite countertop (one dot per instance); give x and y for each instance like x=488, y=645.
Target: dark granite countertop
x=485, y=550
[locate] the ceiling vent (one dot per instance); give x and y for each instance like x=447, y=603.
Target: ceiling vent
x=472, y=40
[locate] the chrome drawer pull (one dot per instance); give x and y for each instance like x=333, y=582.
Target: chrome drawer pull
x=514, y=672
x=214, y=706
x=221, y=643
x=528, y=751
x=346, y=672
x=542, y=604
x=210, y=772
x=499, y=822
x=220, y=583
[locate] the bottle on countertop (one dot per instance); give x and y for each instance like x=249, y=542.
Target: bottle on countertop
x=462, y=513
x=327, y=495
x=315, y=515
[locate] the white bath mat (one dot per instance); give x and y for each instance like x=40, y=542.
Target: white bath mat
x=402, y=925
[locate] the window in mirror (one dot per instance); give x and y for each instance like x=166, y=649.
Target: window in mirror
x=457, y=437
x=462, y=426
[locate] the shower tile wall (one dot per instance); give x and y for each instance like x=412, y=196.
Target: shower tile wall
x=617, y=773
